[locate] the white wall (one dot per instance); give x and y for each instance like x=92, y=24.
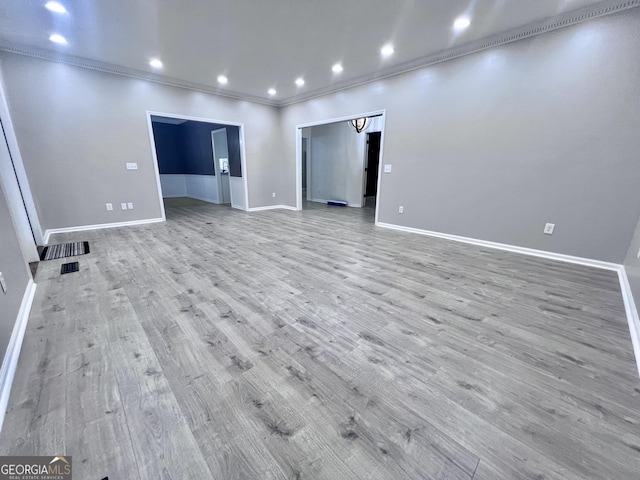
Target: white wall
x=77, y=128
x=495, y=144
x=173, y=185
x=237, y=192
x=201, y=187
x=336, y=163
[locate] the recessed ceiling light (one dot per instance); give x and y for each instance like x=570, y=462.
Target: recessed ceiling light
x=337, y=68
x=55, y=7
x=461, y=23
x=300, y=82
x=222, y=80
x=155, y=63
x=57, y=38
x=387, y=50
x=272, y=91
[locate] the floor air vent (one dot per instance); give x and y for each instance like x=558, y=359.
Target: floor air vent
x=69, y=268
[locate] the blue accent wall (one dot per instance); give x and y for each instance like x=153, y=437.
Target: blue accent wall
x=233, y=145
x=197, y=147
x=168, y=147
x=186, y=148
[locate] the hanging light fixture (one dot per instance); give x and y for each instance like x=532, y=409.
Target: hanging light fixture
x=360, y=124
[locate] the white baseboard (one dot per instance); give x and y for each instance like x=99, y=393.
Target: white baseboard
x=509, y=248
x=271, y=207
x=627, y=297
x=10, y=362
x=82, y=228
x=632, y=313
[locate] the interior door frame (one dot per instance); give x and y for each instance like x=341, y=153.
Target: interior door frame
x=243, y=154
x=376, y=113
x=216, y=167
x=17, y=190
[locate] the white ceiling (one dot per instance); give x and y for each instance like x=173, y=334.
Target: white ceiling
x=259, y=44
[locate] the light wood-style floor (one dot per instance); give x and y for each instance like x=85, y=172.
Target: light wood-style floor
x=312, y=345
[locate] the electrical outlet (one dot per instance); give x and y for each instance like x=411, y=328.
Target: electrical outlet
x=548, y=228
x=400, y=209
x=387, y=169
x=638, y=255
x=273, y=194
x=132, y=166
x=123, y=206
x=130, y=205
x=110, y=206
x=3, y=284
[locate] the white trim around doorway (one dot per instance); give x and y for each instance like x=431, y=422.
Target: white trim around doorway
x=243, y=160
x=381, y=113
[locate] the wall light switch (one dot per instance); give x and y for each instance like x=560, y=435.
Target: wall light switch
x=110, y=206
x=130, y=205
x=548, y=228
x=3, y=284
x=132, y=166
x=387, y=169
x=123, y=206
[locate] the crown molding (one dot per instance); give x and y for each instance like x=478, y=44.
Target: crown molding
x=105, y=67
x=601, y=9
x=567, y=19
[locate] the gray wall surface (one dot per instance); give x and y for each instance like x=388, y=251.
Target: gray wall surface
x=15, y=271
x=77, y=128
x=495, y=144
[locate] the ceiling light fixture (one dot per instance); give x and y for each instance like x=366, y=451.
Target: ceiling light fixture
x=360, y=124
x=387, y=50
x=222, y=80
x=272, y=91
x=57, y=38
x=337, y=68
x=155, y=63
x=300, y=82
x=461, y=23
x=55, y=7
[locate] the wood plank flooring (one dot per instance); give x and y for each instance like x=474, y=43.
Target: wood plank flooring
x=312, y=345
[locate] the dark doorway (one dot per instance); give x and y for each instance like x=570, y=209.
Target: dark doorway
x=373, y=161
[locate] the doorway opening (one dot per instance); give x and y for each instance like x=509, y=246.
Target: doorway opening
x=371, y=168
x=198, y=158
x=335, y=164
